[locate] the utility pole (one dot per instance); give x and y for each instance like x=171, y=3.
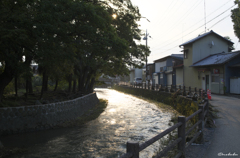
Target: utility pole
x=146, y=54
x=146, y=38
x=205, y=15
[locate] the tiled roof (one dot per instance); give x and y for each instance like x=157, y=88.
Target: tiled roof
x=203, y=35
x=216, y=59
x=178, y=56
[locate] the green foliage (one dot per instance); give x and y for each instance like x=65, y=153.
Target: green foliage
x=69, y=38
x=236, y=19
x=9, y=89
x=183, y=105
x=37, y=81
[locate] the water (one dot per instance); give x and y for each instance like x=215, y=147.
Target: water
x=125, y=118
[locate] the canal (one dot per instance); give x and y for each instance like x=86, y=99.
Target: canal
x=125, y=118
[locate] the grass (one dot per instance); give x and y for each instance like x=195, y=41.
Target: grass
x=48, y=97
x=6, y=152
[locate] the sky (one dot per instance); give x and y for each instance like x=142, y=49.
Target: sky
x=173, y=22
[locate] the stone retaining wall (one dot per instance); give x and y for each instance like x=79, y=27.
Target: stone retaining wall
x=40, y=117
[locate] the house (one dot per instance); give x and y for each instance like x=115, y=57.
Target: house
x=225, y=72
x=165, y=73
x=150, y=70
x=199, y=49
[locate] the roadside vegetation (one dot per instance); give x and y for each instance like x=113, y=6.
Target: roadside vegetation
x=178, y=106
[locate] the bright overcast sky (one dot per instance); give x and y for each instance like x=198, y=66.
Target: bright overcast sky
x=172, y=22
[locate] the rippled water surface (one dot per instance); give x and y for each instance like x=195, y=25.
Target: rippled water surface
x=125, y=118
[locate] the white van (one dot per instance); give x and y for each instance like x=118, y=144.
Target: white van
x=138, y=80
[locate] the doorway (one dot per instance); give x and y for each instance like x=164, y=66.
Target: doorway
x=207, y=82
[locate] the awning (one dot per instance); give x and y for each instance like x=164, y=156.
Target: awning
x=203, y=69
x=236, y=65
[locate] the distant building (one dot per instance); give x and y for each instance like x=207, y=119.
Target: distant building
x=136, y=72
x=165, y=73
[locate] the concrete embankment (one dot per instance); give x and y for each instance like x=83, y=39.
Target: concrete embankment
x=39, y=117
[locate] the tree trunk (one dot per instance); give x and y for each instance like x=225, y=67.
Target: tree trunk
x=56, y=85
x=27, y=85
x=91, y=85
x=79, y=83
x=87, y=84
x=82, y=79
x=30, y=87
x=5, y=78
x=43, y=84
x=16, y=85
x=45, y=81
x=74, y=85
x=70, y=83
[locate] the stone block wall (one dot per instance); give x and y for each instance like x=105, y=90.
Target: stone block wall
x=40, y=117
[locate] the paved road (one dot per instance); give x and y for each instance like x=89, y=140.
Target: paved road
x=226, y=140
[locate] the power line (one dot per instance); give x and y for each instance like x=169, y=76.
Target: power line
x=174, y=13
x=184, y=16
x=200, y=26
x=167, y=10
x=220, y=21
x=174, y=26
x=202, y=32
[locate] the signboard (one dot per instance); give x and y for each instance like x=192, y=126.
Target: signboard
x=216, y=71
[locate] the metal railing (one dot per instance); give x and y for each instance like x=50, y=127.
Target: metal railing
x=133, y=148
x=183, y=90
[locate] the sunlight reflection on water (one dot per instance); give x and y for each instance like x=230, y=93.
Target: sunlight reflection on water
x=125, y=118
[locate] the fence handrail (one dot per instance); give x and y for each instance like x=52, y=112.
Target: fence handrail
x=134, y=148
x=194, y=114
x=159, y=136
x=190, y=91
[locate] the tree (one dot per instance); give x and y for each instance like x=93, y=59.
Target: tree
x=68, y=38
x=236, y=19
x=15, y=39
x=232, y=46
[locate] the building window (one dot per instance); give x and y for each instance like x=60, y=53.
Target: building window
x=161, y=69
x=169, y=68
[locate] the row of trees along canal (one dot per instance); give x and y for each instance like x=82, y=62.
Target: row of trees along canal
x=72, y=40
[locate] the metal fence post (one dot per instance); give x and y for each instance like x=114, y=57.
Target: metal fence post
x=133, y=147
x=181, y=134
x=207, y=106
x=201, y=125
x=195, y=89
x=189, y=89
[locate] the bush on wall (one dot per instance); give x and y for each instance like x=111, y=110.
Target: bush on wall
x=183, y=105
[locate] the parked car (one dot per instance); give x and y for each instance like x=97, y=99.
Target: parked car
x=138, y=80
